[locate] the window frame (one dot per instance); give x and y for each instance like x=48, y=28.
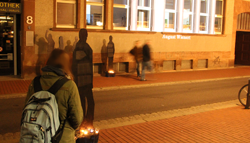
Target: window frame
x=220, y=16
x=75, y=14
x=175, y=18
x=128, y=17
x=149, y=8
x=189, y=13
x=103, y=14
x=207, y=17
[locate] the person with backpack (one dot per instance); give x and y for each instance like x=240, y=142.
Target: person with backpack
x=53, y=109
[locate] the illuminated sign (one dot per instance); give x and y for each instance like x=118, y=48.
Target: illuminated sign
x=9, y=7
x=170, y=37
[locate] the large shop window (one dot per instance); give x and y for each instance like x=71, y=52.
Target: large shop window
x=218, y=17
x=188, y=16
x=170, y=16
x=144, y=15
x=94, y=14
x=120, y=14
x=66, y=13
x=204, y=16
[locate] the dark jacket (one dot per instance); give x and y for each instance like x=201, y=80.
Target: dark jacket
x=137, y=52
x=146, y=53
x=69, y=104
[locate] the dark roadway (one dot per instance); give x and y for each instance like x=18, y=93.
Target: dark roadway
x=128, y=102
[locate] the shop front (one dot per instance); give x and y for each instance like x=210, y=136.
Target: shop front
x=185, y=34
x=9, y=38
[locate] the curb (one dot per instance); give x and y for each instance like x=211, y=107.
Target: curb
x=20, y=95
x=165, y=83
x=142, y=118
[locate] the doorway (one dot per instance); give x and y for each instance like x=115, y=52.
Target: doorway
x=242, y=48
x=8, y=43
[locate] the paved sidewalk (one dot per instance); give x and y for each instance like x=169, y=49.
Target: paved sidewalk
x=230, y=125
x=21, y=86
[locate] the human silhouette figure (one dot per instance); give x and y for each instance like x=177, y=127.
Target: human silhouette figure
x=82, y=68
x=69, y=47
x=104, y=56
x=42, y=49
x=51, y=42
x=61, y=45
x=74, y=45
x=111, y=52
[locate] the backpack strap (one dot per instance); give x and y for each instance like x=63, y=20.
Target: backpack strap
x=37, y=84
x=57, y=85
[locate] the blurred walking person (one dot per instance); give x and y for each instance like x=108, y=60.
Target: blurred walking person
x=146, y=61
x=137, y=53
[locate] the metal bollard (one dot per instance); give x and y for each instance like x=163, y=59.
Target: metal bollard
x=248, y=98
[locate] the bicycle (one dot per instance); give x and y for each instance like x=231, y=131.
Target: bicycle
x=242, y=95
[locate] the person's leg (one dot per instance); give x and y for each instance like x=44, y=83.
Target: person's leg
x=138, y=68
x=143, y=71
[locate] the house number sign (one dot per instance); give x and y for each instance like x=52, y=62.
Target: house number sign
x=29, y=20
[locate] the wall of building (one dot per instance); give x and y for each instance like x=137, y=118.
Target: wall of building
x=217, y=49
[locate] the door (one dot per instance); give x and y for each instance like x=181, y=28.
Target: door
x=242, y=48
x=6, y=45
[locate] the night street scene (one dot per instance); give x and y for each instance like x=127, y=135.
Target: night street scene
x=124, y=71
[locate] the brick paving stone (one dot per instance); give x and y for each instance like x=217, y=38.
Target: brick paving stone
x=228, y=125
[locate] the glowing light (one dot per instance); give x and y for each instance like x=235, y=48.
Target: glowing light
x=85, y=132
x=98, y=23
x=97, y=131
x=111, y=71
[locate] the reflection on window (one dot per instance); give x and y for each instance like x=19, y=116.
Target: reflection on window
x=187, y=22
x=188, y=5
x=218, y=8
x=203, y=6
x=218, y=25
x=218, y=17
x=170, y=13
x=143, y=19
x=124, y=2
x=144, y=3
x=203, y=23
x=66, y=13
x=170, y=4
x=204, y=16
x=120, y=14
x=143, y=15
x=94, y=14
x=187, y=16
x=120, y=17
x=169, y=20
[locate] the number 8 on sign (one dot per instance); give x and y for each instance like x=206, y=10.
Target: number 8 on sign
x=29, y=20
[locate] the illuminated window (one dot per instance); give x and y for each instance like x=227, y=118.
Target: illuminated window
x=204, y=16
x=94, y=14
x=170, y=13
x=121, y=14
x=144, y=15
x=218, y=17
x=66, y=13
x=188, y=16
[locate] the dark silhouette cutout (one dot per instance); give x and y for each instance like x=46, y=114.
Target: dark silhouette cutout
x=42, y=49
x=82, y=68
x=61, y=45
x=104, y=56
x=69, y=47
x=74, y=45
x=51, y=42
x=111, y=52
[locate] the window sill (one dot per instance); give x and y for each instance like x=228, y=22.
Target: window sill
x=101, y=30
x=194, y=34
